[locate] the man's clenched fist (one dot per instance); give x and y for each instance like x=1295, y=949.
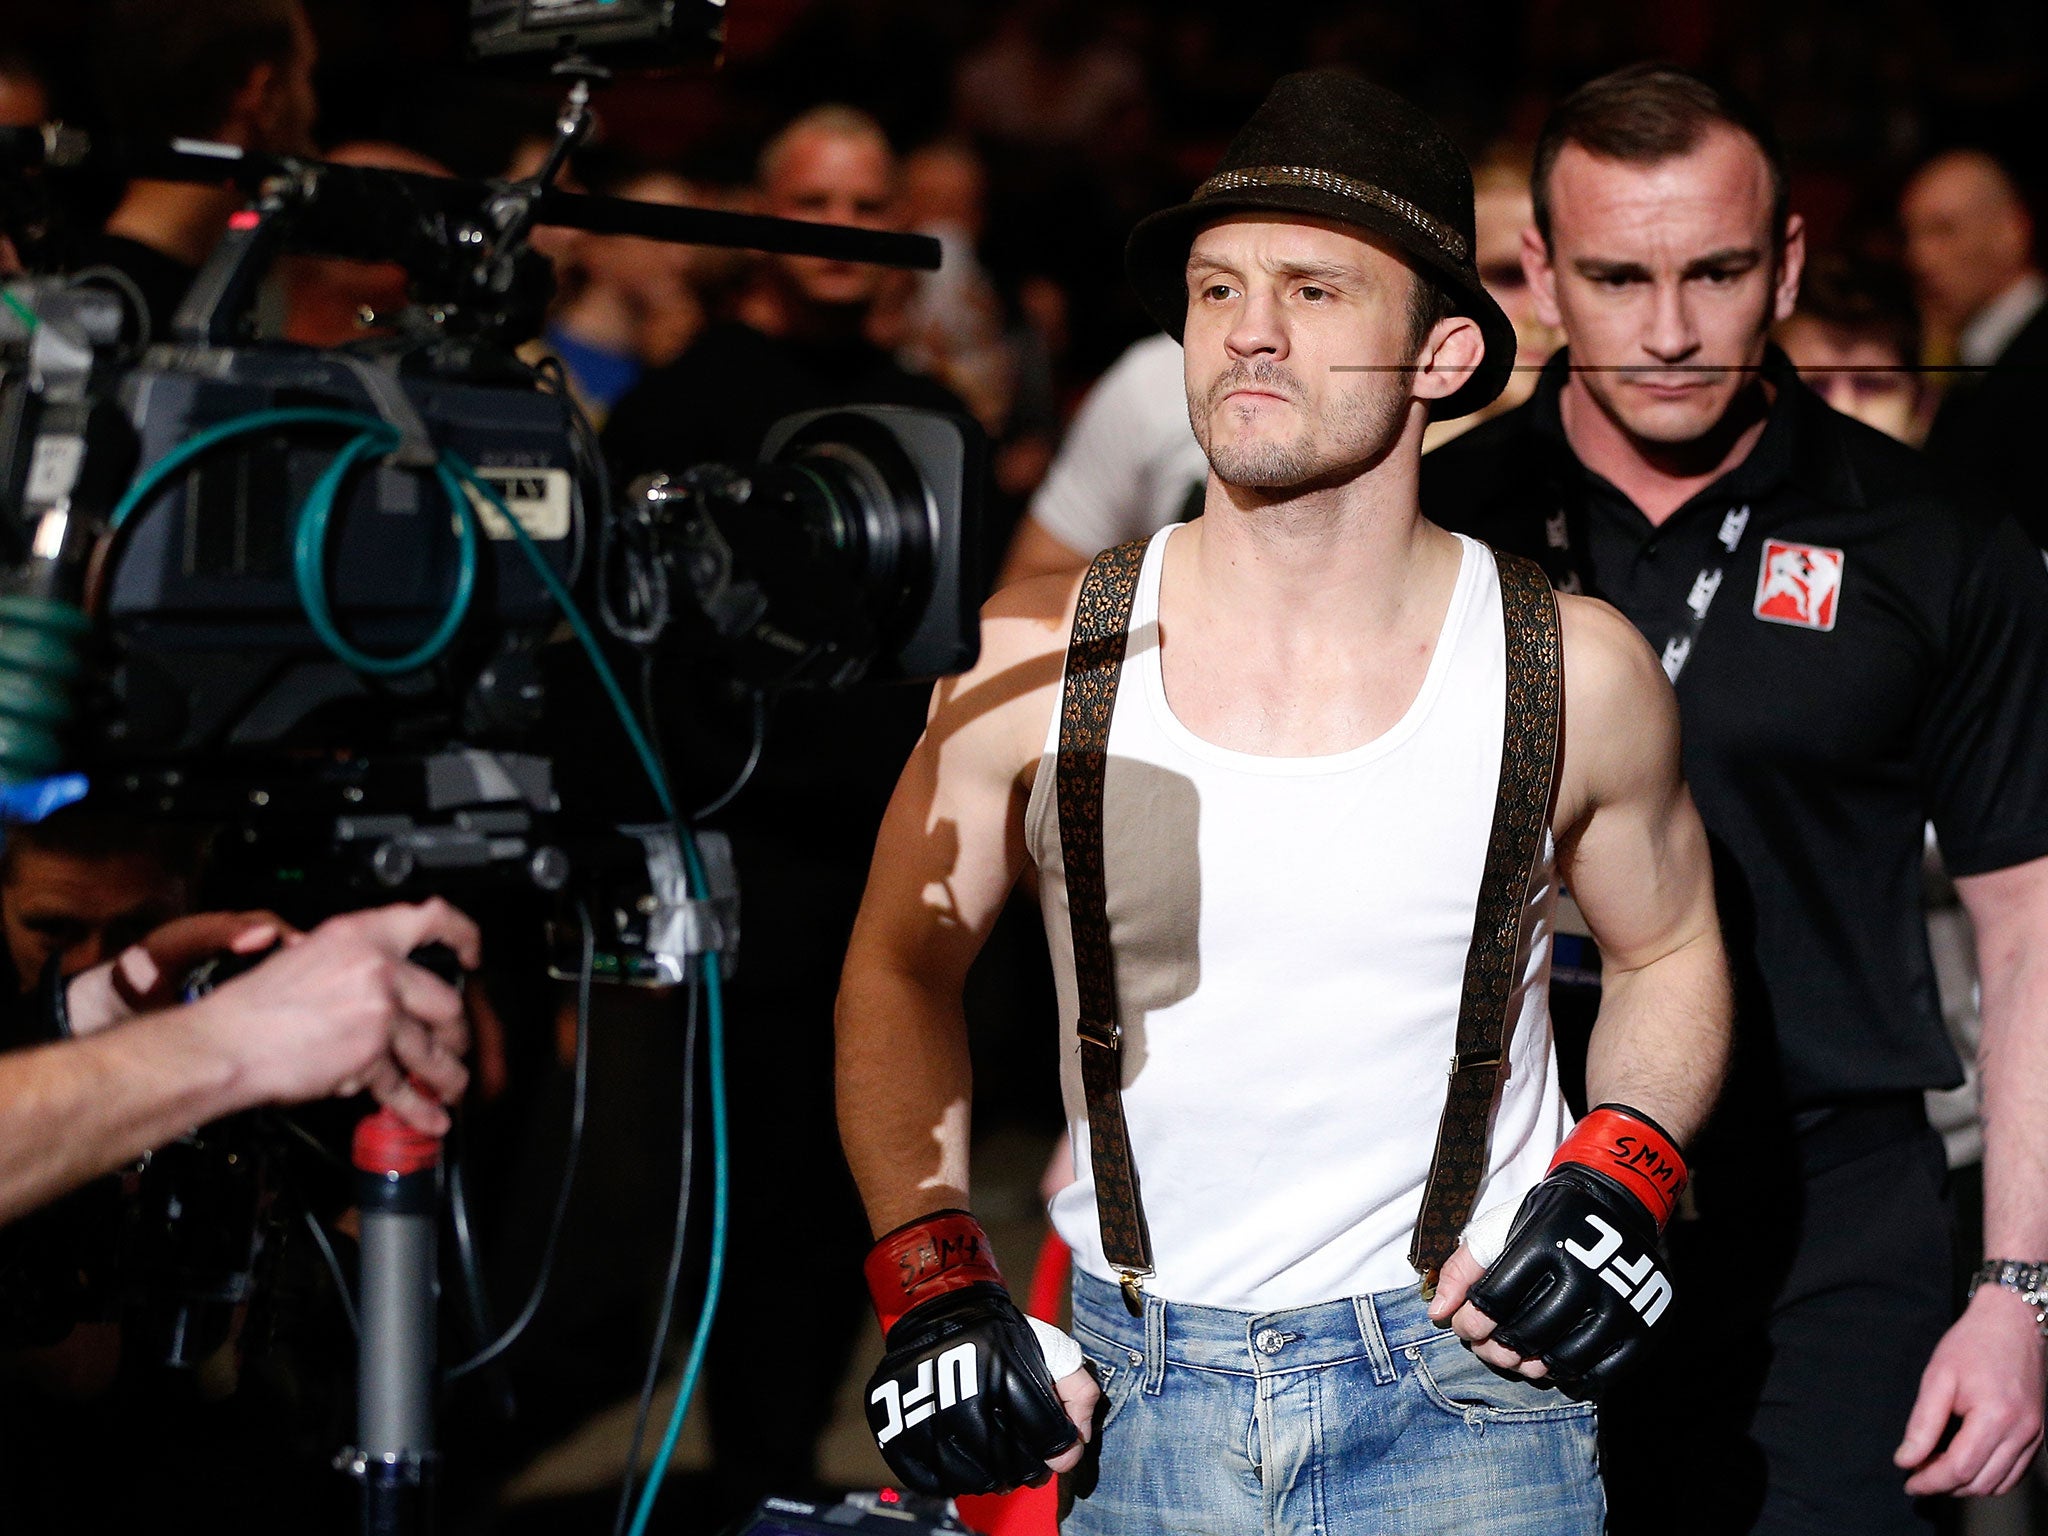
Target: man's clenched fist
x=1579, y=1284
x=965, y=1400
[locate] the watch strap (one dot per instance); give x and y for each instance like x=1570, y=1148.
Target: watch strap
x=2026, y=1280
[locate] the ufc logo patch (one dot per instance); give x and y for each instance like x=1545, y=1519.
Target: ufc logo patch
x=955, y=1383
x=1798, y=584
x=1638, y=1279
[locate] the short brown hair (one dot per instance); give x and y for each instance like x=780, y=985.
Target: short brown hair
x=171, y=68
x=1428, y=302
x=94, y=836
x=1861, y=299
x=1644, y=115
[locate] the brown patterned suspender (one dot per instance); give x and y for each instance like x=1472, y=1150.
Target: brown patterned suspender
x=1095, y=655
x=1095, y=663
x=1528, y=763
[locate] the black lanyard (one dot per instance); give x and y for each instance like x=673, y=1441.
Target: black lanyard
x=1699, y=598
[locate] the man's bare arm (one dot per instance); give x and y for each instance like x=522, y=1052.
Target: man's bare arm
x=2009, y=910
x=340, y=1011
x=76, y=1109
x=950, y=849
x=1635, y=859
x=1633, y=852
x=1989, y=1368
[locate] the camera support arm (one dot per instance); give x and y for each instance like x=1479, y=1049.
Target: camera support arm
x=463, y=241
x=355, y=188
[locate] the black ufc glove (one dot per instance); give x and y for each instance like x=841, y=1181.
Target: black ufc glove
x=962, y=1401
x=1579, y=1284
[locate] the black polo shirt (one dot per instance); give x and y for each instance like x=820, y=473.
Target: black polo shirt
x=1872, y=656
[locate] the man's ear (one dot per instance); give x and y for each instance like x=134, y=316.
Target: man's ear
x=1542, y=276
x=1454, y=349
x=255, y=108
x=1791, y=264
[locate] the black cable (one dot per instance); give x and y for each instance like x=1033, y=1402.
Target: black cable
x=320, y=1148
x=675, y=1266
x=473, y=1292
x=580, y=1098
x=747, y=768
x=583, y=436
x=645, y=580
x=552, y=378
x=348, y=1302
x=647, y=590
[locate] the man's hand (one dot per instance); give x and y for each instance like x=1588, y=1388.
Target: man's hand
x=148, y=974
x=1578, y=1284
x=1078, y=1394
x=970, y=1397
x=343, y=1010
x=1461, y=1272
x=1073, y=1383
x=1989, y=1371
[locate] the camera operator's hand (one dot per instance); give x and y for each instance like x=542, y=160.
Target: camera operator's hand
x=343, y=1010
x=150, y=974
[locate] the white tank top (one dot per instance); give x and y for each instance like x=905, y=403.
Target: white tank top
x=1290, y=937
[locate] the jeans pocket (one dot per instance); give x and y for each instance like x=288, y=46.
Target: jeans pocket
x=1459, y=1382
x=1119, y=1371
x=1117, y=1376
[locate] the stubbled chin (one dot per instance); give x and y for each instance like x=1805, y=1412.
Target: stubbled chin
x=1674, y=421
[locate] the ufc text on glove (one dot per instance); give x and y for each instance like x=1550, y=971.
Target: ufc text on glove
x=963, y=1401
x=1580, y=1284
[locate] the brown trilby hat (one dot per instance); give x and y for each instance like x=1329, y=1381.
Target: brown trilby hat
x=1332, y=145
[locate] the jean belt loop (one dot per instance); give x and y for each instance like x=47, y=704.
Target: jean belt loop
x=1375, y=1337
x=1155, y=1343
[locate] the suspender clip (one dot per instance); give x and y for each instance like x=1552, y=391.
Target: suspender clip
x=1131, y=1283
x=1105, y=1034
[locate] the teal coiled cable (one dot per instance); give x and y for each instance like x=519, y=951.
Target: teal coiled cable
x=309, y=560
x=315, y=520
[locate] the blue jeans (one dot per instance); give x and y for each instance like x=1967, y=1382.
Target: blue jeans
x=1338, y=1419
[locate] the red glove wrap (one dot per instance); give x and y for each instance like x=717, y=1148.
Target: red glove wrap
x=1631, y=1150
x=933, y=1256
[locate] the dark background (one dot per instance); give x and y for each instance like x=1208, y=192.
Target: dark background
x=1860, y=91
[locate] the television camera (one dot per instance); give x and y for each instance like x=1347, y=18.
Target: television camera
x=271, y=585
x=317, y=598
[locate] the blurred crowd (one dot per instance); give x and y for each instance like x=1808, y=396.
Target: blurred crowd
x=1026, y=137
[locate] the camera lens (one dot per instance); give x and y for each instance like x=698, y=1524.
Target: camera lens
x=842, y=555
x=873, y=508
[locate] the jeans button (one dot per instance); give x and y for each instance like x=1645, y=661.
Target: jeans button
x=1269, y=1342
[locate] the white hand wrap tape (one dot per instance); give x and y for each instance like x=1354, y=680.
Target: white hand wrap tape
x=1487, y=1234
x=1062, y=1355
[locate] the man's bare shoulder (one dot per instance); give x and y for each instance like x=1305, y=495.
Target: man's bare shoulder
x=1032, y=614
x=1002, y=708
x=1621, y=717
x=1608, y=665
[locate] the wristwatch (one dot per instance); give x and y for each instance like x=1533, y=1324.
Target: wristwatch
x=2027, y=1281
